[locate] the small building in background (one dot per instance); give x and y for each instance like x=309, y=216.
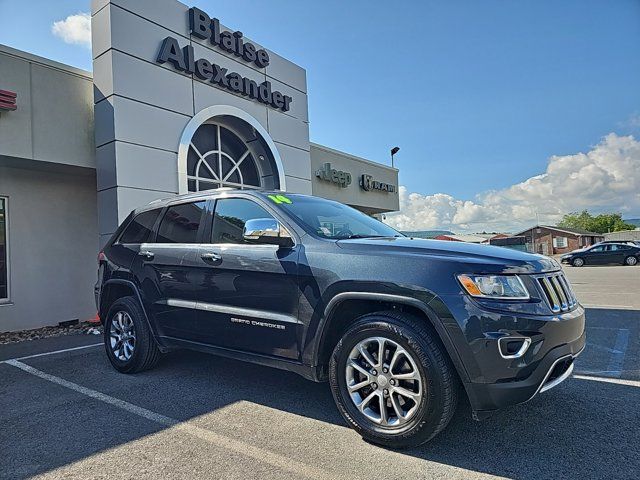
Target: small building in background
x=548, y=240
x=623, y=236
x=507, y=241
x=463, y=238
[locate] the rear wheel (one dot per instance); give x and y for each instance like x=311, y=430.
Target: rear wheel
x=631, y=261
x=577, y=262
x=128, y=341
x=392, y=380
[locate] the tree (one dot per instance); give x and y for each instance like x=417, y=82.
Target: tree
x=602, y=223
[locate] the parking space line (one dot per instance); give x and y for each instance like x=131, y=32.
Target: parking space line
x=54, y=352
x=619, y=350
x=227, y=443
x=617, y=381
x=615, y=307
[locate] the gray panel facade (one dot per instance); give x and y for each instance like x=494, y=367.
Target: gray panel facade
x=142, y=107
x=370, y=201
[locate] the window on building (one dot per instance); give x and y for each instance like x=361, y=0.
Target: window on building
x=4, y=254
x=560, y=242
x=231, y=215
x=180, y=223
x=139, y=230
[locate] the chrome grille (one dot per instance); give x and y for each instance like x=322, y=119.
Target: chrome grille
x=557, y=292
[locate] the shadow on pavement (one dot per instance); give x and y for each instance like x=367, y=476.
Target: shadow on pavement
x=581, y=428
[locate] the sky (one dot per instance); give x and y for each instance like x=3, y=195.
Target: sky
x=504, y=111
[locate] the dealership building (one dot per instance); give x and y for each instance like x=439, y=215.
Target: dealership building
x=176, y=103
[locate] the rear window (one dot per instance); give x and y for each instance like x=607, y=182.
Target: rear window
x=140, y=228
x=181, y=223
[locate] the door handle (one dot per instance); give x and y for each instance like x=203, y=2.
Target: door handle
x=211, y=257
x=146, y=254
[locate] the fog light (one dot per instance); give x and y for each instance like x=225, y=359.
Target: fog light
x=513, y=347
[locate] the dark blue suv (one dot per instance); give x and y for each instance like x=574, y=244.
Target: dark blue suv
x=400, y=327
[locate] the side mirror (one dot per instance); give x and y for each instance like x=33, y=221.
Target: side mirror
x=266, y=231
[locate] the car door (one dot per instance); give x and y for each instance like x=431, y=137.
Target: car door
x=596, y=255
x=164, y=266
x=247, y=293
x=621, y=252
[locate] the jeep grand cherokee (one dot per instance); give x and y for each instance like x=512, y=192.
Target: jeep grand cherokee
x=400, y=327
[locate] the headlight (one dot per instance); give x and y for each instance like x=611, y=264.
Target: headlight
x=494, y=286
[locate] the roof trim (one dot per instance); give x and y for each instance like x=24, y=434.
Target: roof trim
x=45, y=62
x=351, y=157
x=558, y=229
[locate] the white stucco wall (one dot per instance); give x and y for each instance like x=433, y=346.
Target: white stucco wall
x=53, y=244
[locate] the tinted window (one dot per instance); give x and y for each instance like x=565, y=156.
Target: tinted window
x=617, y=248
x=180, y=223
x=139, y=230
x=230, y=216
x=597, y=249
x=4, y=287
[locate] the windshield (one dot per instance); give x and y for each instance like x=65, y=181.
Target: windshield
x=333, y=220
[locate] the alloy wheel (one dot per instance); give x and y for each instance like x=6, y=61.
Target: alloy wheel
x=122, y=336
x=383, y=381
x=632, y=261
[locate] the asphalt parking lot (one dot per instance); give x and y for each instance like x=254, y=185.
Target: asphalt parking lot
x=69, y=414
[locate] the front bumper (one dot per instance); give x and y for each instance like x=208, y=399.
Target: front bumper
x=494, y=378
x=552, y=370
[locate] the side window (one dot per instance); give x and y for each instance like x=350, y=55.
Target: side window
x=139, y=230
x=230, y=216
x=597, y=249
x=180, y=223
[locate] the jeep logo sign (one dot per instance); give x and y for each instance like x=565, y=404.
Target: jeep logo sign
x=335, y=176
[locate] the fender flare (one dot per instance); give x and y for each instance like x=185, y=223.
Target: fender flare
x=398, y=299
x=136, y=292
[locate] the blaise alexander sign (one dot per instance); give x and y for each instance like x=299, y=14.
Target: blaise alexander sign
x=203, y=27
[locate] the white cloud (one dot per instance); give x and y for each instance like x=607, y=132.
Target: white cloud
x=606, y=178
x=75, y=29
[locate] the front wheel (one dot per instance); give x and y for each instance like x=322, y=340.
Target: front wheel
x=631, y=261
x=577, y=262
x=392, y=380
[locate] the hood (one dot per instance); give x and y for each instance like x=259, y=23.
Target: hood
x=577, y=250
x=482, y=257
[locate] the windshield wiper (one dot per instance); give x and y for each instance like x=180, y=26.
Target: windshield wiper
x=357, y=235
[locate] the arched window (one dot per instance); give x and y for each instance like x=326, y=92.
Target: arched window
x=230, y=149
x=218, y=157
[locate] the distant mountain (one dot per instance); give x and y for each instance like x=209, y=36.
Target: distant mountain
x=427, y=233
x=633, y=221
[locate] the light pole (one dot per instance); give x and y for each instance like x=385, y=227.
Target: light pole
x=394, y=150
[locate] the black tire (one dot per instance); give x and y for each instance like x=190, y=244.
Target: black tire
x=578, y=262
x=440, y=394
x=631, y=261
x=145, y=352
